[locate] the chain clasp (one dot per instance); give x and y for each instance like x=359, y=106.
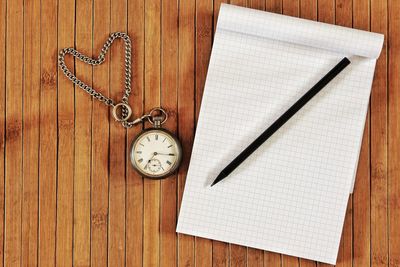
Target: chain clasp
x=125, y=114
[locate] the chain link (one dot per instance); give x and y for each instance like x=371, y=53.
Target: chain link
x=95, y=62
x=123, y=105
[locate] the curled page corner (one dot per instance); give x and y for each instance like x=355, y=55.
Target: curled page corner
x=346, y=41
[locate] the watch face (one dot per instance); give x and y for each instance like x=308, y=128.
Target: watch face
x=155, y=153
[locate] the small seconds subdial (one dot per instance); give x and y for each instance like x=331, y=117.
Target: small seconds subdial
x=155, y=153
x=154, y=165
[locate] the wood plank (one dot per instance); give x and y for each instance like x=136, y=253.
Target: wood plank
x=290, y=261
x=326, y=11
x=204, y=35
x=394, y=132
x=66, y=130
x=255, y=257
x=169, y=85
x=361, y=204
x=220, y=254
x=203, y=253
x=31, y=132
x=308, y=10
x=256, y=4
x=186, y=118
x=83, y=130
x=361, y=196
x=134, y=189
x=3, y=21
x=274, y=6
x=379, y=118
x=291, y=8
x=14, y=132
x=117, y=154
x=151, y=242
x=48, y=135
x=100, y=139
x=272, y=259
x=307, y=263
x=343, y=17
x=344, y=13
x=238, y=256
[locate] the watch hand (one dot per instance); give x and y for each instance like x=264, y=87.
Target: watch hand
x=145, y=166
x=166, y=154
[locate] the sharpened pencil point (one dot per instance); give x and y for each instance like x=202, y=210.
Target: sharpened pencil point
x=219, y=178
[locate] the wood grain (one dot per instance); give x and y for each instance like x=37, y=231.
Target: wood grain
x=66, y=144
x=48, y=134
x=186, y=114
x=31, y=133
x=151, y=253
x=274, y=6
x=394, y=133
x=361, y=196
x=83, y=130
x=379, y=166
x=3, y=16
x=220, y=255
x=117, y=160
x=100, y=140
x=204, y=36
x=13, y=134
x=169, y=100
x=67, y=191
x=134, y=183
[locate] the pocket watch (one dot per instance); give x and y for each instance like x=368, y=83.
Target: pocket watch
x=156, y=153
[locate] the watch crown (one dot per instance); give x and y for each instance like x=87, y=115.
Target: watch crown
x=157, y=121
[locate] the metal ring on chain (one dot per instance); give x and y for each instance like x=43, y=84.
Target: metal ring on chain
x=163, y=114
x=125, y=115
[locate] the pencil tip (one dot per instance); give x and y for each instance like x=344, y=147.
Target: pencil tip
x=219, y=178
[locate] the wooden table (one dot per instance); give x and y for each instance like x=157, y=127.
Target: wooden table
x=67, y=191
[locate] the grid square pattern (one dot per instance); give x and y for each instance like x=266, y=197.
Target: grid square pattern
x=290, y=196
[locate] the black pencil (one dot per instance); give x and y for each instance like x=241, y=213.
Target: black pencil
x=282, y=120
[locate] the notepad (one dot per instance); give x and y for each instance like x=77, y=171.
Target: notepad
x=290, y=196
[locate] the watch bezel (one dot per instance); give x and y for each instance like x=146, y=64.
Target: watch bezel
x=172, y=170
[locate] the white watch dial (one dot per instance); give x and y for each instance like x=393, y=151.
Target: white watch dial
x=155, y=153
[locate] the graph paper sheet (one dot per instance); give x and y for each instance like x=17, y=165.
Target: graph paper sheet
x=290, y=196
